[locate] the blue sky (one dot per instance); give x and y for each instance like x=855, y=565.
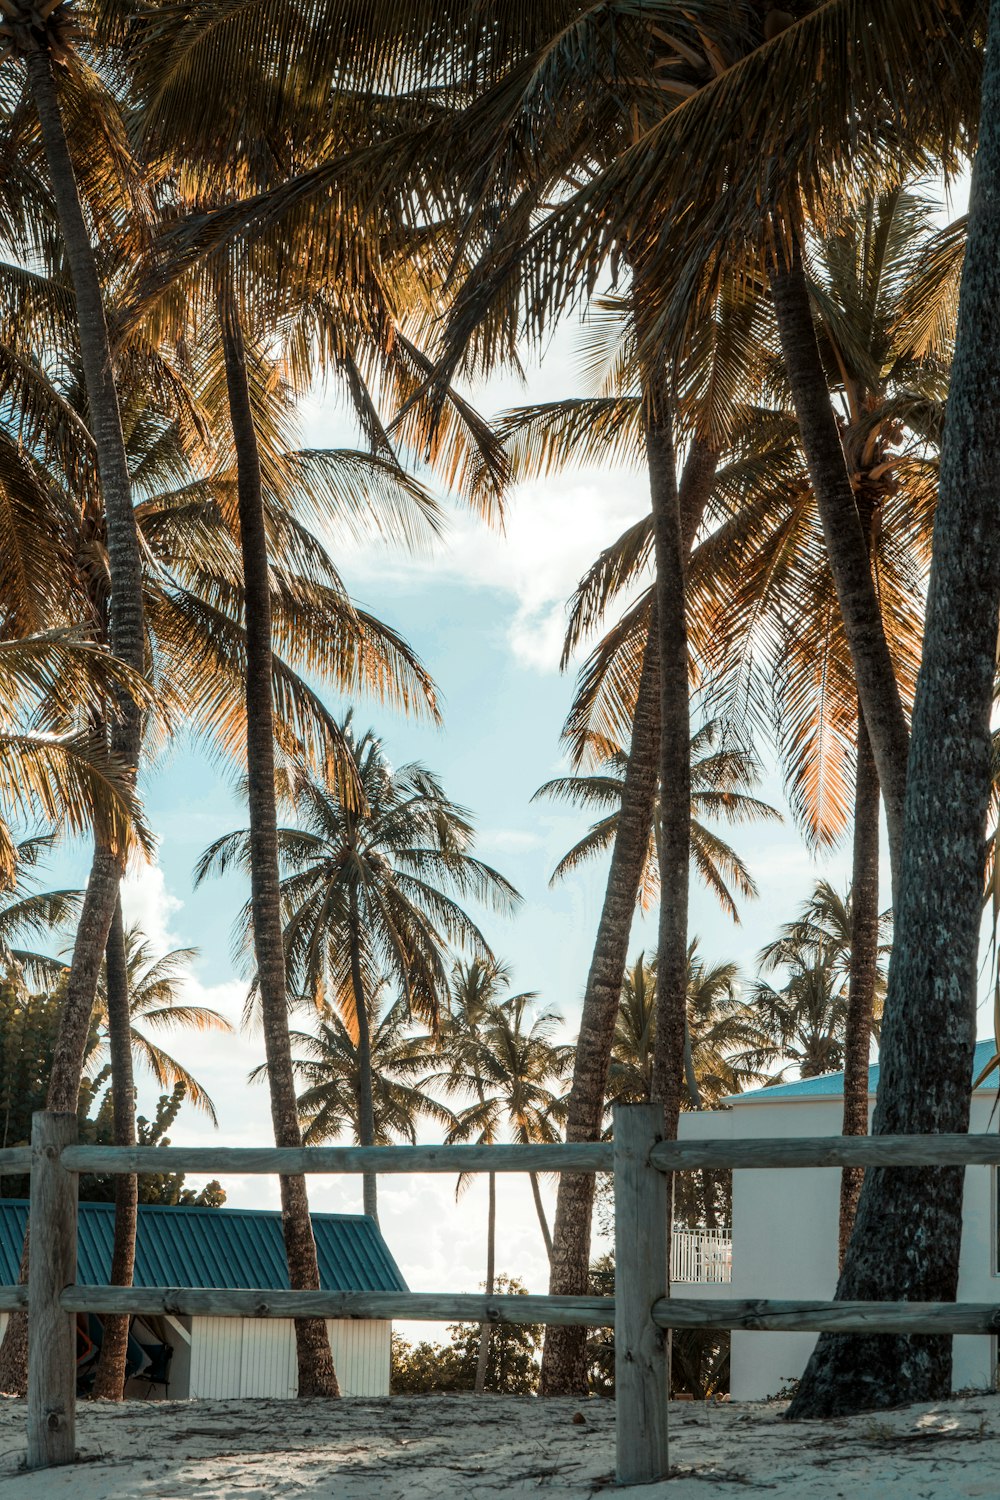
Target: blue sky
x=485, y=612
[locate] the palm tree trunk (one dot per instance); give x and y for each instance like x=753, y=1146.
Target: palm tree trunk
x=907, y=1234
x=315, y=1362
x=563, y=1356
x=486, y=1329
x=127, y=632
x=543, y=1222
x=110, y=1379
x=846, y=545
x=864, y=970
x=366, y=1104
x=564, y=1361
x=674, y=841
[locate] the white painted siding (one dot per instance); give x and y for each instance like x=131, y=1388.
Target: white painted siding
x=361, y=1351
x=247, y=1357
x=269, y=1367
x=785, y=1239
x=216, y=1357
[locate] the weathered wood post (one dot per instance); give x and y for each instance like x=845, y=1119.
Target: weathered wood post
x=51, y=1268
x=642, y=1382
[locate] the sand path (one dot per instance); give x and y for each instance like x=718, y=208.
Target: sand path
x=458, y=1448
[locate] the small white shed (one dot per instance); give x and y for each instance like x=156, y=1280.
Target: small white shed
x=784, y=1232
x=225, y=1358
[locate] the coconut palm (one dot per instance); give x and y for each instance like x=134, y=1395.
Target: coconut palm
x=38, y=45
x=192, y=581
x=261, y=311
x=617, y=702
x=372, y=889
x=155, y=988
x=808, y=1015
x=26, y=913
x=722, y=779
x=328, y=1064
x=504, y=1058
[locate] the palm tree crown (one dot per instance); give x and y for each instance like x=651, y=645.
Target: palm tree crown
x=722, y=778
x=329, y=1065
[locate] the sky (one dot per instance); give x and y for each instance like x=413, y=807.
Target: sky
x=485, y=611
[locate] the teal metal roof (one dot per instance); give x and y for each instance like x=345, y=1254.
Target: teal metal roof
x=219, y=1247
x=830, y=1085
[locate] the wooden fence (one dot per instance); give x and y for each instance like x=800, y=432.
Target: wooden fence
x=641, y=1311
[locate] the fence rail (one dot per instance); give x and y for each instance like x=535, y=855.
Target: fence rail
x=587, y=1156
x=640, y=1311
x=259, y=1302
x=830, y=1151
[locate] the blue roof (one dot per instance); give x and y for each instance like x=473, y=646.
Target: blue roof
x=215, y=1247
x=829, y=1085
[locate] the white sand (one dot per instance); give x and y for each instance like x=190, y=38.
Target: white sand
x=458, y=1448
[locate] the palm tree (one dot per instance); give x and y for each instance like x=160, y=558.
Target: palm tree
x=721, y=778
x=193, y=598
x=807, y=1017
x=619, y=701
x=928, y=1031
x=38, y=43
x=501, y=1056
x=372, y=890
x=154, y=987
x=329, y=1065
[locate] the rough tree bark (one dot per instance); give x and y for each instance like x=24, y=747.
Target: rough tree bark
x=315, y=1361
x=109, y=1382
x=674, y=767
x=564, y=1353
x=846, y=545
x=864, y=969
x=907, y=1234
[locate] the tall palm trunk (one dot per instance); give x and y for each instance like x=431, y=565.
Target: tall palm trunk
x=564, y=1361
x=863, y=972
x=564, y=1370
x=846, y=544
x=366, y=1104
x=127, y=636
x=110, y=1379
x=907, y=1234
x=674, y=802
x=315, y=1362
x=486, y=1329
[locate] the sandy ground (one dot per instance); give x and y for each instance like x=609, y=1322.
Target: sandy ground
x=457, y=1448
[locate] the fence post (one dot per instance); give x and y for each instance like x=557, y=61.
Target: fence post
x=51, y=1268
x=642, y=1384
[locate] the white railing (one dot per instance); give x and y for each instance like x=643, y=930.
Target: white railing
x=701, y=1255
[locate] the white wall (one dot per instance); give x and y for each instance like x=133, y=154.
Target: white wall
x=785, y=1224
x=233, y=1357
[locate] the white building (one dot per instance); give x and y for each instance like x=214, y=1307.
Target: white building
x=226, y=1247
x=784, y=1234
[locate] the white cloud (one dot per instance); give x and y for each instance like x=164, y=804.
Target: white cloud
x=554, y=530
x=146, y=900
x=511, y=838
